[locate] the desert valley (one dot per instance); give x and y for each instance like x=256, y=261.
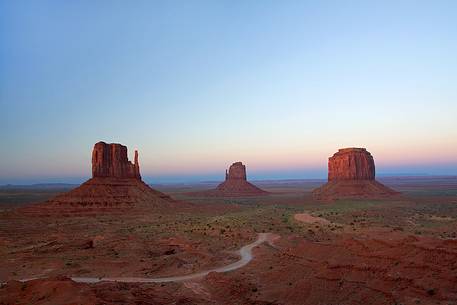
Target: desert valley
x=116, y=240
x=228, y=152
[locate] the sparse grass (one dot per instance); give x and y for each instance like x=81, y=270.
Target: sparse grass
x=232, y=223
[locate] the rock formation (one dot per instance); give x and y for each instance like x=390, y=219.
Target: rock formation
x=115, y=183
x=351, y=174
x=235, y=185
x=237, y=171
x=110, y=160
x=351, y=164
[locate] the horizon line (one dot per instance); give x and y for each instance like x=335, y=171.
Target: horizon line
x=176, y=181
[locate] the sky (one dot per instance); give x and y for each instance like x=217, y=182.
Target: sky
x=198, y=85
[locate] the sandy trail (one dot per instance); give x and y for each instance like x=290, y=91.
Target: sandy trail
x=307, y=218
x=245, y=253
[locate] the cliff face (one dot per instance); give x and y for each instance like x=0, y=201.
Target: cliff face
x=237, y=171
x=351, y=174
x=110, y=160
x=351, y=164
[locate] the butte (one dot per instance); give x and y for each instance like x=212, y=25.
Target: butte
x=235, y=184
x=115, y=185
x=351, y=174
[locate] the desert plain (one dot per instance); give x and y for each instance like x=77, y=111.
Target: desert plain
x=400, y=250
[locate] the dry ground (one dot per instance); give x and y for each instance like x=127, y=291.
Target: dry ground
x=401, y=251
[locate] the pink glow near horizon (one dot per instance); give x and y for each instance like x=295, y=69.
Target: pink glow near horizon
x=269, y=160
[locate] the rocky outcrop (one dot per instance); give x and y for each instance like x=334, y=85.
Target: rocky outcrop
x=235, y=185
x=351, y=164
x=351, y=174
x=236, y=171
x=110, y=160
x=116, y=183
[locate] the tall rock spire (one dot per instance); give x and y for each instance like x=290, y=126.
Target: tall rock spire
x=136, y=166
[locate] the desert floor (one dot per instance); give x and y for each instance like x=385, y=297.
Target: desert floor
x=397, y=251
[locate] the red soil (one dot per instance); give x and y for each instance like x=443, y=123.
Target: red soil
x=347, y=269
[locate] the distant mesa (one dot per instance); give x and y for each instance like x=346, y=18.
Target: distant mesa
x=351, y=174
x=235, y=184
x=115, y=183
x=351, y=164
x=236, y=171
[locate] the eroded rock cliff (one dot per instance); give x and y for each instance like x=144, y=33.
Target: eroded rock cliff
x=351, y=164
x=110, y=160
x=351, y=174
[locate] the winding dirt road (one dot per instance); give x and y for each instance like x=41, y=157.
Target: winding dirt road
x=245, y=254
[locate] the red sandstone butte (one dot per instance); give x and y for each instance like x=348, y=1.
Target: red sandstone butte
x=115, y=183
x=110, y=160
x=236, y=183
x=237, y=171
x=351, y=174
x=351, y=164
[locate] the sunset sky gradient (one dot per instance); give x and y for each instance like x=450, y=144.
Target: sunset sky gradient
x=197, y=85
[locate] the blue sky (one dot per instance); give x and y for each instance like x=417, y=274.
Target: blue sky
x=197, y=85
